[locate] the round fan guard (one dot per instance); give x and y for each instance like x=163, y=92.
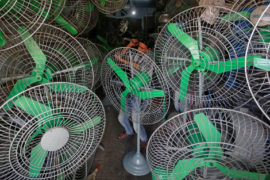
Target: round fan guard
x=39, y=114
x=210, y=143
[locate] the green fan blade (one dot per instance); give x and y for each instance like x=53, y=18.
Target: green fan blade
x=210, y=134
x=77, y=129
x=66, y=25
x=233, y=64
x=185, y=75
x=19, y=87
x=34, y=50
x=37, y=109
x=150, y=94
x=105, y=42
x=38, y=132
x=141, y=79
x=102, y=2
x=186, y=166
x=69, y=88
x=123, y=99
x=2, y=39
x=210, y=54
x=243, y=15
x=37, y=159
x=238, y=174
x=261, y=63
x=190, y=43
x=89, y=7
x=120, y=73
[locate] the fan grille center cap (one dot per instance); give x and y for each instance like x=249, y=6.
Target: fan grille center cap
x=197, y=63
x=54, y=139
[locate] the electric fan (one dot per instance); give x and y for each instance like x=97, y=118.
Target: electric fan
x=202, y=60
x=49, y=131
x=76, y=16
x=17, y=14
x=213, y=143
x=95, y=56
x=102, y=50
x=134, y=84
x=258, y=78
x=50, y=55
x=109, y=6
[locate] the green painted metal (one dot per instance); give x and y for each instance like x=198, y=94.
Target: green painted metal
x=37, y=159
x=79, y=128
x=105, y=42
x=103, y=2
x=243, y=15
x=233, y=64
x=262, y=63
x=186, y=166
x=134, y=85
x=2, y=40
x=34, y=50
x=210, y=134
x=21, y=85
x=68, y=88
x=186, y=40
x=89, y=7
x=39, y=110
x=210, y=54
x=66, y=25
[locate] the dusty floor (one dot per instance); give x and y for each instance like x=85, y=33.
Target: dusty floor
x=111, y=159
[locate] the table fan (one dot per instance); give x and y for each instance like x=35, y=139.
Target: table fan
x=133, y=82
x=258, y=78
x=95, y=56
x=17, y=14
x=214, y=143
x=50, y=55
x=109, y=6
x=200, y=60
x=49, y=131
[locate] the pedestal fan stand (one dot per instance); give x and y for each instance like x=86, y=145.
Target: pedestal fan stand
x=134, y=162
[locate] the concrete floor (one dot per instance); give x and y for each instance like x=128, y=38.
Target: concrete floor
x=110, y=160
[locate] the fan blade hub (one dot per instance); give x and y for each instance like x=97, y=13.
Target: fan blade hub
x=54, y=139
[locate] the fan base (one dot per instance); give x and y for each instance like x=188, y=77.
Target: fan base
x=135, y=164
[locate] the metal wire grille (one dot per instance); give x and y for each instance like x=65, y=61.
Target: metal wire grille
x=109, y=6
x=133, y=63
x=227, y=89
x=258, y=78
x=65, y=57
x=95, y=55
x=78, y=14
x=15, y=14
x=244, y=145
x=72, y=105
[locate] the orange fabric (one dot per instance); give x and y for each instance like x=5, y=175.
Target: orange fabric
x=142, y=47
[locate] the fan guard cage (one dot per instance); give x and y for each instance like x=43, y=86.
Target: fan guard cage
x=62, y=52
x=95, y=56
x=155, y=108
x=109, y=6
x=78, y=14
x=224, y=37
x=244, y=142
x=73, y=108
x=258, y=80
x=26, y=16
